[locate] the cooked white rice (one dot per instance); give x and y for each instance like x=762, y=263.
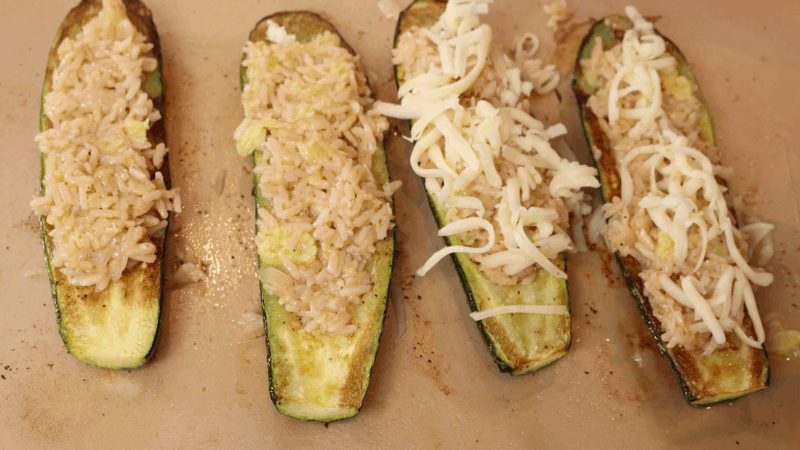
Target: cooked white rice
x=325, y=210
x=103, y=196
x=188, y=273
x=252, y=320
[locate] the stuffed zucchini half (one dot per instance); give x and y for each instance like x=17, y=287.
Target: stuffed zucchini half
x=674, y=236
x=324, y=223
x=105, y=198
x=500, y=193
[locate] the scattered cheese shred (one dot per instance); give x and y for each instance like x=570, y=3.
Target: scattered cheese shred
x=511, y=309
x=558, y=12
x=389, y=8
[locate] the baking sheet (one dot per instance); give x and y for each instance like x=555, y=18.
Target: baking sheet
x=434, y=385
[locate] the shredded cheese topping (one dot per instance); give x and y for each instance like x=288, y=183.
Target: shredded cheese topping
x=465, y=139
x=682, y=194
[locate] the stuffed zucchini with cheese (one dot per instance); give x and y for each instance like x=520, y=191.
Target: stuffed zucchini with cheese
x=500, y=193
x=324, y=224
x=105, y=198
x=669, y=221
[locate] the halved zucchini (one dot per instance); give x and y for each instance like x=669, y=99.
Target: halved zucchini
x=519, y=343
x=116, y=328
x=725, y=374
x=322, y=378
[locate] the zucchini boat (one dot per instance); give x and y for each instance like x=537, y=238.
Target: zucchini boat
x=116, y=327
x=314, y=375
x=532, y=327
x=704, y=377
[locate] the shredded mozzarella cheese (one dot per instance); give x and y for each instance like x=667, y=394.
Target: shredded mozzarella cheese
x=681, y=180
x=472, y=141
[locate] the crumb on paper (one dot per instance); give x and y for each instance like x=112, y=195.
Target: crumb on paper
x=35, y=272
x=559, y=12
x=188, y=273
x=252, y=320
x=220, y=182
x=389, y=9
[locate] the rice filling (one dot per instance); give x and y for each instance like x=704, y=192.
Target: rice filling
x=103, y=195
x=307, y=119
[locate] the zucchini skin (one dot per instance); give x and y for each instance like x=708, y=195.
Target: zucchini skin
x=702, y=380
x=511, y=356
x=145, y=285
x=306, y=25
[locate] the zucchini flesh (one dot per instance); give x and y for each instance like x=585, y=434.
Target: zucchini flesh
x=118, y=327
x=519, y=343
x=323, y=378
x=725, y=374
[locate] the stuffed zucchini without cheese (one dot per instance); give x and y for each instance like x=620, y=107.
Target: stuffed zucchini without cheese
x=675, y=238
x=105, y=197
x=324, y=229
x=500, y=193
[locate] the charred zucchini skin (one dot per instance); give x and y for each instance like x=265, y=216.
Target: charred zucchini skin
x=517, y=348
x=306, y=26
x=140, y=289
x=703, y=380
